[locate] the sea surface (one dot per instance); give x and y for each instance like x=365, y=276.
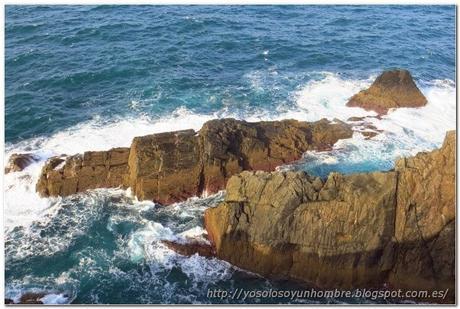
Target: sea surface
x=93, y=77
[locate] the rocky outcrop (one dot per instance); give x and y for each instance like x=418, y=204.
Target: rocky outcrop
x=391, y=89
x=19, y=161
x=63, y=176
x=170, y=167
x=359, y=230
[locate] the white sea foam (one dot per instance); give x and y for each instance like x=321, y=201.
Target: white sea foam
x=102, y=135
x=201, y=269
x=143, y=244
x=55, y=299
x=54, y=231
x=405, y=131
x=326, y=97
x=22, y=204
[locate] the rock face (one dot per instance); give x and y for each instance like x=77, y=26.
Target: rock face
x=170, y=167
x=292, y=225
x=19, y=161
x=360, y=230
x=425, y=218
x=391, y=89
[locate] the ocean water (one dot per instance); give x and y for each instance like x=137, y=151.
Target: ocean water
x=93, y=77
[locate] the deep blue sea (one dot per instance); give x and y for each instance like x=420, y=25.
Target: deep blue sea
x=83, y=78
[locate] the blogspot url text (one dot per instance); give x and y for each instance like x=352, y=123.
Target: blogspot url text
x=247, y=294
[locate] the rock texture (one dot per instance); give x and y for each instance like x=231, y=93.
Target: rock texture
x=170, y=167
x=391, y=89
x=19, y=161
x=360, y=230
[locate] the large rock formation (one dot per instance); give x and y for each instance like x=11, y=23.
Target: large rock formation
x=359, y=230
x=173, y=166
x=391, y=89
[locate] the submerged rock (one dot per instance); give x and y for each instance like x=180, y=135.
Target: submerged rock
x=190, y=248
x=359, y=230
x=173, y=166
x=391, y=89
x=19, y=161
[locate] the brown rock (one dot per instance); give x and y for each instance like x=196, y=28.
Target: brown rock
x=31, y=298
x=391, y=89
x=19, y=161
x=173, y=166
x=63, y=176
x=190, y=248
x=360, y=230
x=165, y=167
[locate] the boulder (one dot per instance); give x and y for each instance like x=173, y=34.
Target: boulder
x=19, y=161
x=359, y=230
x=173, y=166
x=391, y=89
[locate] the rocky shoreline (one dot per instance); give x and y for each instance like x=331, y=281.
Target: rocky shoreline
x=358, y=230
x=392, y=228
